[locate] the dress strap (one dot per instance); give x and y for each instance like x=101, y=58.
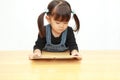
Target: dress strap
x=48, y=34
x=64, y=36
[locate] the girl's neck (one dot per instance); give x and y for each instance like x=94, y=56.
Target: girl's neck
x=55, y=34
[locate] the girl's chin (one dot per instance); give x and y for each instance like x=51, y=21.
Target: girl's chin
x=59, y=32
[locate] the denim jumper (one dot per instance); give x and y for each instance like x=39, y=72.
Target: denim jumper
x=55, y=47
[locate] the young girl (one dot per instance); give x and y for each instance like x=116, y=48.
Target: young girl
x=57, y=35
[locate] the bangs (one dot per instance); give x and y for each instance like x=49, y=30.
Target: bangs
x=61, y=13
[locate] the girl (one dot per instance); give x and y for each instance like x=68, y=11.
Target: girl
x=57, y=35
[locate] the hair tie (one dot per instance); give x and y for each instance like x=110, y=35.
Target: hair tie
x=73, y=12
x=46, y=11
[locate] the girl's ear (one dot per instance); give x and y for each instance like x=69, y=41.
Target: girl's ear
x=48, y=18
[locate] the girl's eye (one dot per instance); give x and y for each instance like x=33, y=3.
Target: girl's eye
x=65, y=23
x=57, y=22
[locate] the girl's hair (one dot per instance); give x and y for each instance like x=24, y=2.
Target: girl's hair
x=60, y=10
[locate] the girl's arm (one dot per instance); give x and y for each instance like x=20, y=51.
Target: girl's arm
x=39, y=44
x=71, y=41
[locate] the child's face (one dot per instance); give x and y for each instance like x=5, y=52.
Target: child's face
x=58, y=26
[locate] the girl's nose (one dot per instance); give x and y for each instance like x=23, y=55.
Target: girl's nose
x=62, y=25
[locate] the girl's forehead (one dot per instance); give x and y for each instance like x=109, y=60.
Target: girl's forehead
x=60, y=18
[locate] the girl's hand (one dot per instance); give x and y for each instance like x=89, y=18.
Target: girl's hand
x=36, y=53
x=76, y=54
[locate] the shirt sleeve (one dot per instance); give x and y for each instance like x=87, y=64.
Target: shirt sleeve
x=40, y=43
x=71, y=41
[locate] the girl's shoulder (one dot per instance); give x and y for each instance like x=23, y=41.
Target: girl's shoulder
x=70, y=28
x=70, y=31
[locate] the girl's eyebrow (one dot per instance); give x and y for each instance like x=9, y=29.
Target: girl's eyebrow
x=61, y=21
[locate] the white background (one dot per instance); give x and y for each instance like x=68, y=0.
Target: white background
x=100, y=23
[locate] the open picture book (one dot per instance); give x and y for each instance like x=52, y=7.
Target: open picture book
x=54, y=55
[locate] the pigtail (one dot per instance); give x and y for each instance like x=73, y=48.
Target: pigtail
x=77, y=22
x=41, y=25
